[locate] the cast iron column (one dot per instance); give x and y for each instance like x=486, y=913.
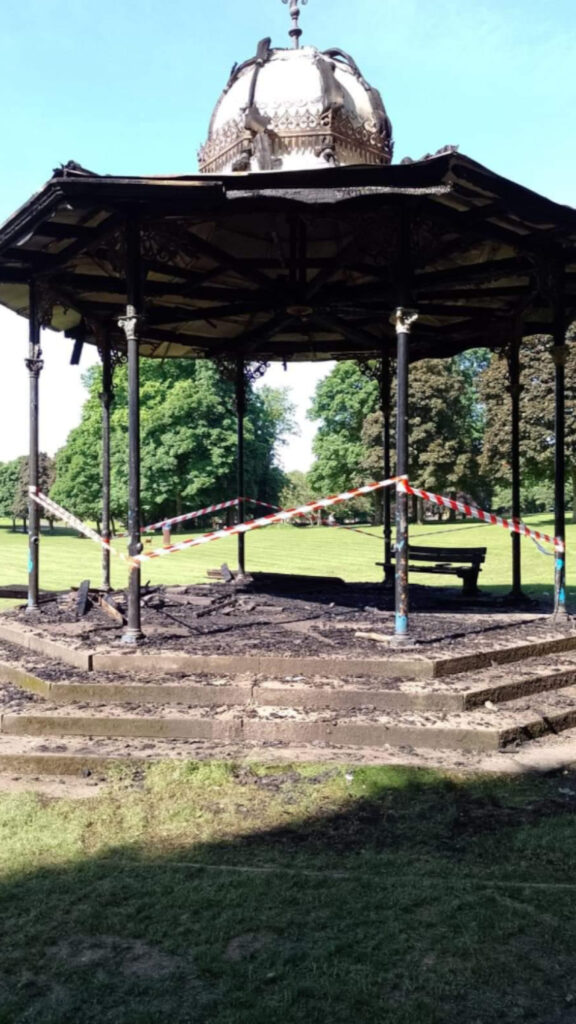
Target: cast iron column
x=106, y=398
x=34, y=365
x=404, y=319
x=240, y=413
x=130, y=324
x=387, y=491
x=559, y=353
x=515, y=391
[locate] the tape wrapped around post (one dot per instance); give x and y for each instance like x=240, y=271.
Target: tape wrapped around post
x=473, y=512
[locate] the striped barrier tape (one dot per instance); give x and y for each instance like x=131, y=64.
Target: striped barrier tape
x=472, y=512
x=168, y=523
x=265, y=504
x=258, y=524
x=67, y=517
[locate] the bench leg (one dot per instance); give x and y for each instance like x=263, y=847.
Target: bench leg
x=470, y=582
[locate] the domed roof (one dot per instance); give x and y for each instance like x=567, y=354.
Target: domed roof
x=288, y=109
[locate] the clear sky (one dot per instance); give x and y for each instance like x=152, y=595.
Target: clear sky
x=128, y=86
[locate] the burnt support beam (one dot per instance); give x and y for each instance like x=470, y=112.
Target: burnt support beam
x=106, y=399
x=34, y=366
x=385, y=405
x=240, y=383
x=404, y=318
x=559, y=353
x=131, y=325
x=515, y=390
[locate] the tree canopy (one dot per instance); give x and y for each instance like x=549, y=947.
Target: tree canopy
x=536, y=416
x=445, y=428
x=188, y=442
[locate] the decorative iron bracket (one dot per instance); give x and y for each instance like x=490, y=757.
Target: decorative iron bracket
x=252, y=371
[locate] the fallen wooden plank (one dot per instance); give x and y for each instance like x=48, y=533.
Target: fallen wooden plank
x=107, y=605
x=82, y=598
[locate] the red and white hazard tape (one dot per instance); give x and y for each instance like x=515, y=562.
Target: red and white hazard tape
x=472, y=512
x=265, y=504
x=166, y=524
x=67, y=517
x=258, y=524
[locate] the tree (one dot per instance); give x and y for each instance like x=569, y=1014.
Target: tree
x=444, y=432
x=9, y=481
x=297, y=490
x=536, y=416
x=341, y=403
x=20, y=498
x=188, y=442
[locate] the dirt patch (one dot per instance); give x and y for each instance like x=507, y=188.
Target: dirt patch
x=132, y=957
x=244, y=947
x=53, y=787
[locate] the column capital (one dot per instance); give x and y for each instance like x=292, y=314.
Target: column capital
x=403, y=319
x=130, y=323
x=35, y=364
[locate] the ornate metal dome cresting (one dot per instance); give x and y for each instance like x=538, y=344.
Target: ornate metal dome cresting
x=295, y=31
x=295, y=109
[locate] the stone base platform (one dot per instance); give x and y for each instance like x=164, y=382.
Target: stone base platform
x=319, y=675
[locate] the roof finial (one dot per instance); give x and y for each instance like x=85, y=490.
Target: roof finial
x=295, y=31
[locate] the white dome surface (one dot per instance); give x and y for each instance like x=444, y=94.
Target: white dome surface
x=294, y=109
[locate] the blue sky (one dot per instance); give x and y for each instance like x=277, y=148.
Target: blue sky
x=127, y=86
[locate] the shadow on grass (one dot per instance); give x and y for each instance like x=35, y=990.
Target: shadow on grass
x=410, y=899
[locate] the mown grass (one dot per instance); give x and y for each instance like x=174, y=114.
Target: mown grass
x=66, y=559
x=220, y=894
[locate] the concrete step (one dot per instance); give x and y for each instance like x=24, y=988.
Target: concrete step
x=25, y=761
x=371, y=658
x=63, y=684
x=495, y=728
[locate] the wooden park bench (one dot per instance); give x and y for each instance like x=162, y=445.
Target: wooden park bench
x=463, y=562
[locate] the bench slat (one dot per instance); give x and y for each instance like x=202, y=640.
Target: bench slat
x=446, y=554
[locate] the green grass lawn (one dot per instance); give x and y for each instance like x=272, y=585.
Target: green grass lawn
x=67, y=559
x=219, y=894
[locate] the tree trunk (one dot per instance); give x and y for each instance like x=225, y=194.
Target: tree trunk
x=420, y=510
x=573, y=476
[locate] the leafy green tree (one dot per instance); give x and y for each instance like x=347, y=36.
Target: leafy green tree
x=444, y=428
x=9, y=483
x=188, y=442
x=341, y=403
x=297, y=490
x=20, y=497
x=536, y=418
